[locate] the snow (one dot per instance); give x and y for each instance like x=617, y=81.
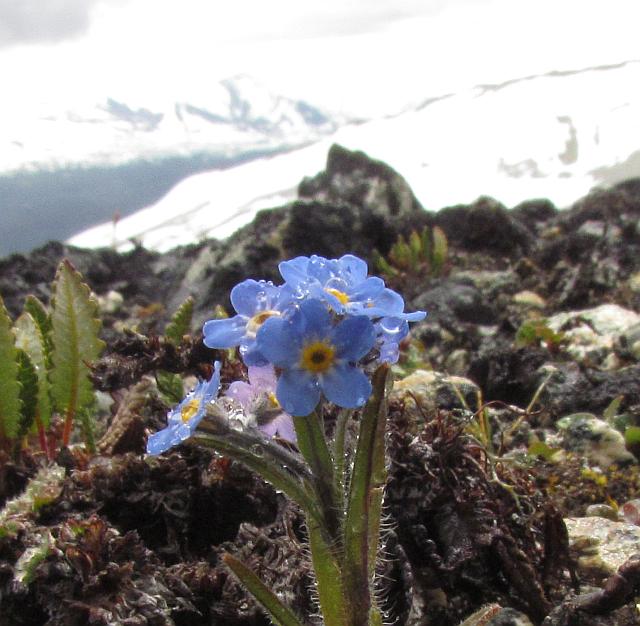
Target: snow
x=488, y=140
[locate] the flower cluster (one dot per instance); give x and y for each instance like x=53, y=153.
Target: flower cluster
x=315, y=329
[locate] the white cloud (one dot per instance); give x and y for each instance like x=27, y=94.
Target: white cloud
x=45, y=21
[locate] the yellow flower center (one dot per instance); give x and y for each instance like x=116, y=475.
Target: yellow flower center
x=253, y=325
x=317, y=357
x=189, y=410
x=273, y=400
x=341, y=295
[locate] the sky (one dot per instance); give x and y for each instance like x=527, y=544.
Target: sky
x=366, y=57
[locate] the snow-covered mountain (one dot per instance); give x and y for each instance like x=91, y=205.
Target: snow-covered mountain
x=236, y=115
x=553, y=135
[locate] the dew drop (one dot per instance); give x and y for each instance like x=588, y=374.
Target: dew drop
x=391, y=326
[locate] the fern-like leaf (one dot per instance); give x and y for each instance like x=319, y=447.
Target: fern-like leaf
x=440, y=249
x=9, y=385
x=180, y=324
x=41, y=317
x=28, y=393
x=75, y=328
x=30, y=339
x=170, y=386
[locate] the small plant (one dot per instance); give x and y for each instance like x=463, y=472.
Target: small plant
x=422, y=253
x=534, y=332
x=322, y=343
x=169, y=384
x=44, y=363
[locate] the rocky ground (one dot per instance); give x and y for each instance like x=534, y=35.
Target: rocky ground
x=513, y=494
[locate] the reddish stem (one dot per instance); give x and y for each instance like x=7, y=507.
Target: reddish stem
x=68, y=424
x=42, y=436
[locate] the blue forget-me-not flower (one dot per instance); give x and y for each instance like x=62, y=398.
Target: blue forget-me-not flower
x=254, y=302
x=317, y=356
x=184, y=418
x=343, y=283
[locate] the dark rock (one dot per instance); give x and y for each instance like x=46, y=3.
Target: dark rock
x=453, y=300
x=573, y=389
x=534, y=214
x=331, y=231
x=484, y=225
x=507, y=374
x=354, y=178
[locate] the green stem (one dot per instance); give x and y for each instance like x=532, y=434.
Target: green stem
x=313, y=447
x=339, y=452
x=325, y=540
x=283, y=469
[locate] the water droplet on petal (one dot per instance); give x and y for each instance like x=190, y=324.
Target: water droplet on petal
x=391, y=325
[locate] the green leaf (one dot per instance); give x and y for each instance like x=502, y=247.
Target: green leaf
x=328, y=577
x=440, y=249
x=364, y=511
x=170, y=386
x=30, y=339
x=383, y=265
x=415, y=245
x=41, y=317
x=401, y=254
x=542, y=449
x=9, y=386
x=180, y=324
x=612, y=410
x=632, y=436
x=426, y=244
x=28, y=379
x=280, y=614
x=27, y=563
x=75, y=328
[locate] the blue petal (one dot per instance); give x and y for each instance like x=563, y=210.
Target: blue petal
x=278, y=342
x=323, y=270
x=389, y=353
x=317, y=319
x=353, y=337
x=251, y=355
x=388, y=302
x=294, y=271
x=368, y=289
x=354, y=267
x=391, y=331
x=170, y=436
x=251, y=296
x=346, y=386
x=298, y=392
x=416, y=316
x=212, y=386
x=225, y=333
x=161, y=441
x=392, y=328
x=284, y=299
